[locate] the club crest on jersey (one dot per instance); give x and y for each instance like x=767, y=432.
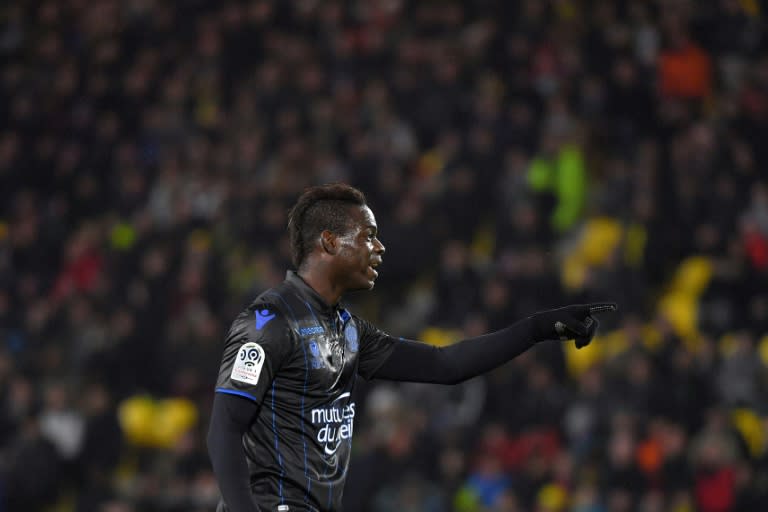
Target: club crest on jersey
x=248, y=364
x=350, y=333
x=317, y=356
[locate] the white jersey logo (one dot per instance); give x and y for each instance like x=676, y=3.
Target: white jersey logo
x=338, y=423
x=247, y=367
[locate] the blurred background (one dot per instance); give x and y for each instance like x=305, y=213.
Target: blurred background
x=518, y=154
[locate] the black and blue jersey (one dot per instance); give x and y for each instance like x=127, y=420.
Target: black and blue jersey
x=298, y=358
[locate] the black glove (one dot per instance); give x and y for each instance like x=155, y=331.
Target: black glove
x=571, y=322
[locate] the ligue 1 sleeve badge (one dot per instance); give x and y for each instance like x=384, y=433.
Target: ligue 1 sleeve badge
x=248, y=364
x=350, y=334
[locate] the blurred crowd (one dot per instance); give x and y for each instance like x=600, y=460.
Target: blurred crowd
x=149, y=152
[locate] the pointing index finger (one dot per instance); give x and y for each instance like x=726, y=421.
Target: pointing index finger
x=602, y=307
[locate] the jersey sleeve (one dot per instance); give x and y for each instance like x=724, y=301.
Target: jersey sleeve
x=258, y=343
x=375, y=347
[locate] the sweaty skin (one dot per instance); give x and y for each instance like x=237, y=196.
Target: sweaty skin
x=345, y=262
x=361, y=246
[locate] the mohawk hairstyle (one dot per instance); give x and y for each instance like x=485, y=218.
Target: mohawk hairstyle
x=317, y=209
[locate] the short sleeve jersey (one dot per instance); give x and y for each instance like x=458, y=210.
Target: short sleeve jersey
x=298, y=358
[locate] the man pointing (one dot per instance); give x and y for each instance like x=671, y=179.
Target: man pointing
x=282, y=421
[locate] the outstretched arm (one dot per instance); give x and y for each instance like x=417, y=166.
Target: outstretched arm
x=419, y=362
x=230, y=418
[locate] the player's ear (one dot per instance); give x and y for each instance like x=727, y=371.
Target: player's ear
x=329, y=242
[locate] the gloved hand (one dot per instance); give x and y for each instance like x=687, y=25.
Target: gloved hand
x=571, y=322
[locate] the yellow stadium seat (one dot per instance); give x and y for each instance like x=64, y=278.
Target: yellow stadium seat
x=574, y=272
x=600, y=237
x=614, y=343
x=174, y=416
x=651, y=337
x=552, y=498
x=681, y=310
x=634, y=245
x=439, y=337
x=692, y=275
x=762, y=349
x=580, y=360
x=136, y=415
x=157, y=424
x=750, y=426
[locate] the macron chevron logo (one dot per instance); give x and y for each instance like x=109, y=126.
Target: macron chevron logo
x=262, y=318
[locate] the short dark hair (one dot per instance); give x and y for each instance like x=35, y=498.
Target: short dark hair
x=319, y=208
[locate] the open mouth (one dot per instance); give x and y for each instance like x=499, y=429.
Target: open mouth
x=372, y=268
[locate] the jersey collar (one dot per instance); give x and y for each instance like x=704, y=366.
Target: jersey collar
x=308, y=293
